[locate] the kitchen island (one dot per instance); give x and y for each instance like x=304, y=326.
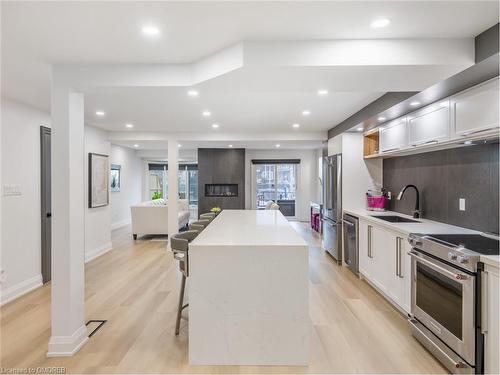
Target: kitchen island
x=248, y=292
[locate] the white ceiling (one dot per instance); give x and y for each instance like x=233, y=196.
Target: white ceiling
x=38, y=34
x=170, y=109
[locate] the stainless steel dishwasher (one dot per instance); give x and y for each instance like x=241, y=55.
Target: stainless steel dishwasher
x=351, y=259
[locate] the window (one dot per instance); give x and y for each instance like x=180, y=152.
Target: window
x=276, y=180
x=187, y=180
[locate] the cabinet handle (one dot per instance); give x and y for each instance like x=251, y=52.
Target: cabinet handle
x=391, y=149
x=479, y=131
x=424, y=143
x=397, y=256
x=370, y=241
x=400, y=257
x=484, y=302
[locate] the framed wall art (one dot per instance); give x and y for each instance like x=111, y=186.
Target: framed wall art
x=98, y=180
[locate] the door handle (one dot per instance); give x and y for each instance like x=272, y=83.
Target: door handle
x=49, y=214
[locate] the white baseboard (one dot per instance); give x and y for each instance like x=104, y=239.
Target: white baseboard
x=20, y=289
x=91, y=255
x=120, y=224
x=66, y=346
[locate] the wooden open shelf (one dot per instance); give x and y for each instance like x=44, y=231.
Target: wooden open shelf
x=371, y=144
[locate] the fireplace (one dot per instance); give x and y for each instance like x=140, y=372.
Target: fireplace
x=221, y=190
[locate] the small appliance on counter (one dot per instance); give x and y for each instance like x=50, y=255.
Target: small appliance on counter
x=376, y=200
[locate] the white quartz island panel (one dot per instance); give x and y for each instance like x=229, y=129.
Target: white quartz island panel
x=248, y=292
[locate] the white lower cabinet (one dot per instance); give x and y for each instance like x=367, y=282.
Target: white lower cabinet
x=384, y=261
x=489, y=324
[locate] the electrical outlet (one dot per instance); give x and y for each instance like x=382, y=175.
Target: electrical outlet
x=461, y=204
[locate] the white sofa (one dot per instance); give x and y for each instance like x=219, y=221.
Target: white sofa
x=151, y=217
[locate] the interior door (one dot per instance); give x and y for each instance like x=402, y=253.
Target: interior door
x=46, y=214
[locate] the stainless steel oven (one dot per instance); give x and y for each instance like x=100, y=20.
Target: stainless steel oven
x=446, y=297
x=443, y=300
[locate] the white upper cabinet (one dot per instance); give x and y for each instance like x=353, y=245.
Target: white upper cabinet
x=429, y=125
x=394, y=136
x=475, y=110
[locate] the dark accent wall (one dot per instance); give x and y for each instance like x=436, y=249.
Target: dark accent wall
x=221, y=166
x=445, y=176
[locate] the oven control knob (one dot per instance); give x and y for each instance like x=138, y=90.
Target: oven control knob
x=462, y=259
x=452, y=256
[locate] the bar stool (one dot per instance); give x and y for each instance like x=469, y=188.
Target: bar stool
x=180, y=247
x=199, y=225
x=207, y=216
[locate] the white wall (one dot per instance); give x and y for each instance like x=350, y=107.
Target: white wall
x=131, y=185
x=97, y=220
x=307, y=189
x=21, y=248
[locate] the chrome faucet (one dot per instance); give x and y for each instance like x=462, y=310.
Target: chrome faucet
x=416, y=212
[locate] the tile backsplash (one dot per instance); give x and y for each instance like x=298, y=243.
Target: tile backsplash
x=443, y=178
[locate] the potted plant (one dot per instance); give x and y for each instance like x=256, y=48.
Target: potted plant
x=216, y=210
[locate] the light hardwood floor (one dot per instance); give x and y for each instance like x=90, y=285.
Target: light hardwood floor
x=135, y=287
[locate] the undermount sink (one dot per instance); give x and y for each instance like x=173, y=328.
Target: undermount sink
x=395, y=219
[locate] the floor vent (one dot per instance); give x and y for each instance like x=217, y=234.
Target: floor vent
x=95, y=323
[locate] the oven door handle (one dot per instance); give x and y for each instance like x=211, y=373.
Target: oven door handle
x=457, y=276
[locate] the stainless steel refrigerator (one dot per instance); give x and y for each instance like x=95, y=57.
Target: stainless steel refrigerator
x=332, y=206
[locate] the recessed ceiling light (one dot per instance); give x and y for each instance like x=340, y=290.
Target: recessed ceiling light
x=179, y=145
x=381, y=118
x=207, y=113
x=414, y=104
x=306, y=112
x=150, y=30
x=230, y=146
x=322, y=92
x=193, y=93
x=100, y=113
x=381, y=22
x=278, y=145
x=136, y=146
x=130, y=126
x=296, y=126
x=215, y=126
x=359, y=129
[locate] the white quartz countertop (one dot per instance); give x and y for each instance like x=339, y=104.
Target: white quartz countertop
x=425, y=226
x=249, y=228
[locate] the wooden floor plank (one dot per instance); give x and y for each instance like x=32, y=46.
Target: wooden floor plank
x=135, y=287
